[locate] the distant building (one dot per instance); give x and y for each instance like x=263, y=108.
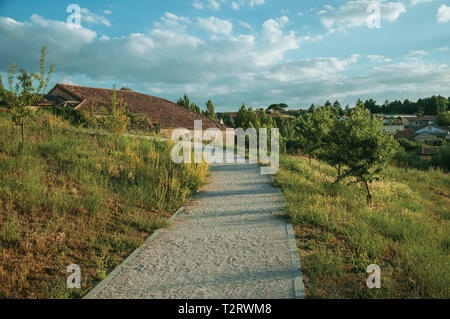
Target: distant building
x=166, y=114
x=419, y=121
x=427, y=152
x=393, y=128
x=425, y=137
x=424, y=133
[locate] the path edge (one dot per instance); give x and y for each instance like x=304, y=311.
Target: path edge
x=102, y=284
x=299, y=286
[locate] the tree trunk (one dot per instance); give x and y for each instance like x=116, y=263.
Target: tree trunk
x=23, y=137
x=369, y=196
x=339, y=171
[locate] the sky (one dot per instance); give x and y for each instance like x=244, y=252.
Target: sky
x=256, y=52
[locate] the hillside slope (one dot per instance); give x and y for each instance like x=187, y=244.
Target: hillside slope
x=69, y=197
x=406, y=231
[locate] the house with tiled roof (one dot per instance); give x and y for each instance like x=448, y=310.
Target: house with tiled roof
x=423, y=133
x=167, y=114
x=419, y=121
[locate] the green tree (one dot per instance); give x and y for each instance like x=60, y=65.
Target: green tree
x=117, y=120
x=313, y=130
x=210, y=112
x=366, y=149
x=277, y=107
x=443, y=118
x=27, y=90
x=184, y=101
x=241, y=119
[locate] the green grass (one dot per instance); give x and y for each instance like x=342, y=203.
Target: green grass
x=405, y=231
x=68, y=196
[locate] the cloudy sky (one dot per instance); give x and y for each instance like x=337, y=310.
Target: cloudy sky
x=232, y=51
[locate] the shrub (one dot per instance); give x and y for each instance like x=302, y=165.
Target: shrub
x=11, y=233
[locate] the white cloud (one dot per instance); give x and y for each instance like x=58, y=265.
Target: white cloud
x=443, y=14
x=107, y=12
x=235, y=5
x=416, y=53
x=253, y=3
x=216, y=25
x=92, y=18
x=213, y=4
x=378, y=58
x=310, y=69
x=210, y=4
x=198, y=5
x=354, y=14
x=446, y=48
x=414, y=2
x=245, y=25
x=173, y=22
x=230, y=68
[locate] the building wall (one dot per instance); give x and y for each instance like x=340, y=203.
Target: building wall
x=60, y=93
x=393, y=128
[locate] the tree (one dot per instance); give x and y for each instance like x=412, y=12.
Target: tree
x=242, y=119
x=117, y=120
x=443, y=118
x=366, y=149
x=277, y=107
x=210, y=112
x=336, y=104
x=184, y=101
x=313, y=130
x=25, y=92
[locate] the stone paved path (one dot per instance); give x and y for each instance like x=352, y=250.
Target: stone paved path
x=229, y=243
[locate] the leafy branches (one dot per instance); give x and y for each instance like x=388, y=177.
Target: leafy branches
x=355, y=142
x=23, y=92
x=117, y=120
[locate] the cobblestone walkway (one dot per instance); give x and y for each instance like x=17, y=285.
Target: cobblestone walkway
x=228, y=243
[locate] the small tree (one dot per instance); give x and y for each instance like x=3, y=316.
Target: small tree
x=184, y=101
x=443, y=118
x=117, y=120
x=314, y=130
x=210, y=112
x=24, y=93
x=366, y=149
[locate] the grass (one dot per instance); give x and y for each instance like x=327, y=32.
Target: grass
x=68, y=196
x=405, y=231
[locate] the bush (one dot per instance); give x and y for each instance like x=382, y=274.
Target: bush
x=442, y=160
x=10, y=233
x=75, y=117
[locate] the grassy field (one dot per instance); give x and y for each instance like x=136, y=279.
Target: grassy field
x=68, y=196
x=405, y=231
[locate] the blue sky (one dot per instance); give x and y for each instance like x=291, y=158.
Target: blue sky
x=232, y=51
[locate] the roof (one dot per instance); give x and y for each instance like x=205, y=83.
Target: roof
x=425, y=136
x=423, y=118
x=432, y=129
x=404, y=134
x=168, y=114
x=423, y=129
